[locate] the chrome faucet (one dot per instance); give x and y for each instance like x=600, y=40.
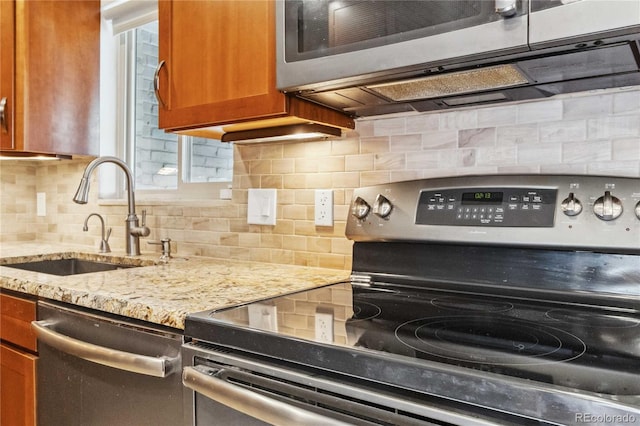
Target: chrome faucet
x=133, y=229
x=104, y=244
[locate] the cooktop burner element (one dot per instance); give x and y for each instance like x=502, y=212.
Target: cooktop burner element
x=459, y=303
x=515, y=295
x=488, y=341
x=591, y=319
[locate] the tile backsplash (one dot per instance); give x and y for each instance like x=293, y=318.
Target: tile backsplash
x=589, y=133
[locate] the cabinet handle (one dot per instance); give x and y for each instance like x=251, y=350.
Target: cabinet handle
x=3, y=117
x=156, y=84
x=134, y=363
x=506, y=8
x=251, y=403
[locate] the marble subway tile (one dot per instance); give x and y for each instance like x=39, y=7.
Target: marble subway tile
x=389, y=126
x=423, y=123
x=626, y=149
x=374, y=145
x=389, y=161
x=586, y=152
x=535, y=112
x=539, y=154
x=465, y=119
x=497, y=116
x=525, y=134
x=440, y=140
x=492, y=156
x=614, y=168
x=613, y=127
x=404, y=143
x=356, y=163
x=563, y=131
x=471, y=138
x=597, y=106
x=627, y=102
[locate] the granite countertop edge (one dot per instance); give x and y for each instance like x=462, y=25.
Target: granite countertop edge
x=157, y=292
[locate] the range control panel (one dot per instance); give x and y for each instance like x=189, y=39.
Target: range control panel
x=492, y=206
x=568, y=211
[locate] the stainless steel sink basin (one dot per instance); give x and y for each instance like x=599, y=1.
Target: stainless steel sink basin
x=72, y=266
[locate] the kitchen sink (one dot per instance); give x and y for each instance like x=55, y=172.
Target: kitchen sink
x=71, y=266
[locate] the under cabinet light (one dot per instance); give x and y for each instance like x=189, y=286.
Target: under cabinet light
x=22, y=156
x=294, y=132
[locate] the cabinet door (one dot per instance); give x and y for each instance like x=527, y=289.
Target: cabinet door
x=219, y=63
x=55, y=75
x=6, y=72
x=16, y=315
x=17, y=387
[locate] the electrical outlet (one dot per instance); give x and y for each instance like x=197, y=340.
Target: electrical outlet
x=324, y=327
x=324, y=207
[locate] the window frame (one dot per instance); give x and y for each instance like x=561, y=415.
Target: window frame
x=120, y=109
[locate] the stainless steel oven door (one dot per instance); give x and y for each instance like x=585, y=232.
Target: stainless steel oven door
x=330, y=40
x=552, y=22
x=231, y=389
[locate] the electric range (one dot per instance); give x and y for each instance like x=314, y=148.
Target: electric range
x=473, y=300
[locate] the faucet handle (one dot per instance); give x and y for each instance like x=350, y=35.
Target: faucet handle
x=144, y=217
x=108, y=234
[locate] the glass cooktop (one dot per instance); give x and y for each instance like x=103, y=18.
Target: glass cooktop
x=583, y=347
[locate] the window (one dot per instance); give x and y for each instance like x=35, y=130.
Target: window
x=153, y=153
x=163, y=164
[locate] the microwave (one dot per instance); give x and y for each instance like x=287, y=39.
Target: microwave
x=368, y=57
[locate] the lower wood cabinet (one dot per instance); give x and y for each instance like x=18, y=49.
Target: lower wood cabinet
x=17, y=387
x=18, y=360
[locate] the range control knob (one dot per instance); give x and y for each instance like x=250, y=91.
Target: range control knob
x=382, y=207
x=360, y=208
x=638, y=210
x=571, y=206
x=607, y=207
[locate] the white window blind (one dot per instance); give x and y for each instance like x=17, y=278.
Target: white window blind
x=128, y=14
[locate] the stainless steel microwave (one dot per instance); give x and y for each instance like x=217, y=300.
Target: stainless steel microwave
x=339, y=52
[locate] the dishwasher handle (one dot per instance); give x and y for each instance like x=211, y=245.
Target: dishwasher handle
x=261, y=407
x=134, y=363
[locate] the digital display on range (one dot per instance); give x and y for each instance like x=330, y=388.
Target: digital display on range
x=482, y=197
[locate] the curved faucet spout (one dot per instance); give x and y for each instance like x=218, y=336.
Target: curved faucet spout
x=133, y=229
x=104, y=242
x=82, y=194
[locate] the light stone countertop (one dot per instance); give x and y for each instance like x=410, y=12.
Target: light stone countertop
x=162, y=293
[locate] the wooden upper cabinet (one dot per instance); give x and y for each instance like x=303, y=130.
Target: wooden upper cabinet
x=50, y=73
x=6, y=73
x=219, y=69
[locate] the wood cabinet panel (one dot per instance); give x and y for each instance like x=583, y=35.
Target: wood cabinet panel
x=55, y=75
x=17, y=387
x=220, y=67
x=16, y=315
x=17, y=367
x=7, y=54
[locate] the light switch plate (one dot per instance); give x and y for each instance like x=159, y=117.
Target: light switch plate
x=41, y=204
x=262, y=206
x=264, y=317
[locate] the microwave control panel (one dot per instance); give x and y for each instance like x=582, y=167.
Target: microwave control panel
x=493, y=206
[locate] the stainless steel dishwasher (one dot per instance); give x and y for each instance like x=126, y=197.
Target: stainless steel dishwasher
x=105, y=370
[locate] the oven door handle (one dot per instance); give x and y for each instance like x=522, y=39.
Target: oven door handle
x=131, y=362
x=251, y=403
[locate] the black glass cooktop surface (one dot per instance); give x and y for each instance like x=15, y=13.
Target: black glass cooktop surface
x=582, y=347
